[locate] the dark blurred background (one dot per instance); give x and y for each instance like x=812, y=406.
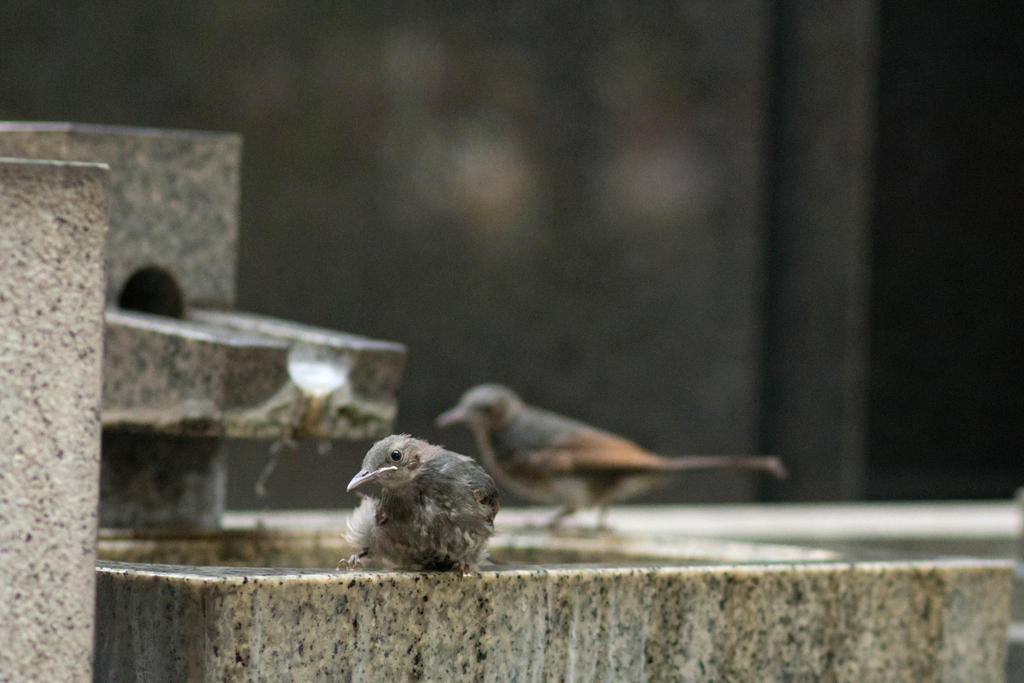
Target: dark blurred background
x=712, y=226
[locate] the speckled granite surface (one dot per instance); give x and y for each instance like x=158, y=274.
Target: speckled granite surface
x=174, y=199
x=178, y=377
x=53, y=218
x=858, y=622
x=247, y=376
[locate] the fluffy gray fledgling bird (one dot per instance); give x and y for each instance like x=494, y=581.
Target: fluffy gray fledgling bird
x=436, y=510
x=548, y=458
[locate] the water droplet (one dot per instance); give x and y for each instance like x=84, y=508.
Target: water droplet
x=275, y=450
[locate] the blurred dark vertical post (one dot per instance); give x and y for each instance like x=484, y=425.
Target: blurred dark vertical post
x=814, y=393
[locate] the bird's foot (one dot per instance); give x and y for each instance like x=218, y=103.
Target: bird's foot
x=555, y=522
x=353, y=562
x=462, y=569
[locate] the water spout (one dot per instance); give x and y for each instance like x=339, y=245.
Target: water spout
x=317, y=376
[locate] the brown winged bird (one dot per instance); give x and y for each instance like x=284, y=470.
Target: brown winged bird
x=548, y=458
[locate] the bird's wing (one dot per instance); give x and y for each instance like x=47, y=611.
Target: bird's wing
x=601, y=452
x=484, y=490
x=540, y=442
x=489, y=499
x=591, y=450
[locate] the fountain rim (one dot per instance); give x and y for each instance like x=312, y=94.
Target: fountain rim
x=227, y=575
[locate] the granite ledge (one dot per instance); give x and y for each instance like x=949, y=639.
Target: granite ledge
x=939, y=620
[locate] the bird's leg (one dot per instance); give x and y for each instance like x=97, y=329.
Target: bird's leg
x=556, y=521
x=602, y=519
x=353, y=562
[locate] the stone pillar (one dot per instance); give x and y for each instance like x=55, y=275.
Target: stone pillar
x=814, y=394
x=171, y=246
x=53, y=222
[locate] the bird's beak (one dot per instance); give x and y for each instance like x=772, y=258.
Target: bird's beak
x=451, y=417
x=364, y=476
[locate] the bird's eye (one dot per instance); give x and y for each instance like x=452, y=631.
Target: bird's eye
x=395, y=456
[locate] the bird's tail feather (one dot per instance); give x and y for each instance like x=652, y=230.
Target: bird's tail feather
x=764, y=463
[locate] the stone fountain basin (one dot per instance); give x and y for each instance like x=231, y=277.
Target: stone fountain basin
x=568, y=607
